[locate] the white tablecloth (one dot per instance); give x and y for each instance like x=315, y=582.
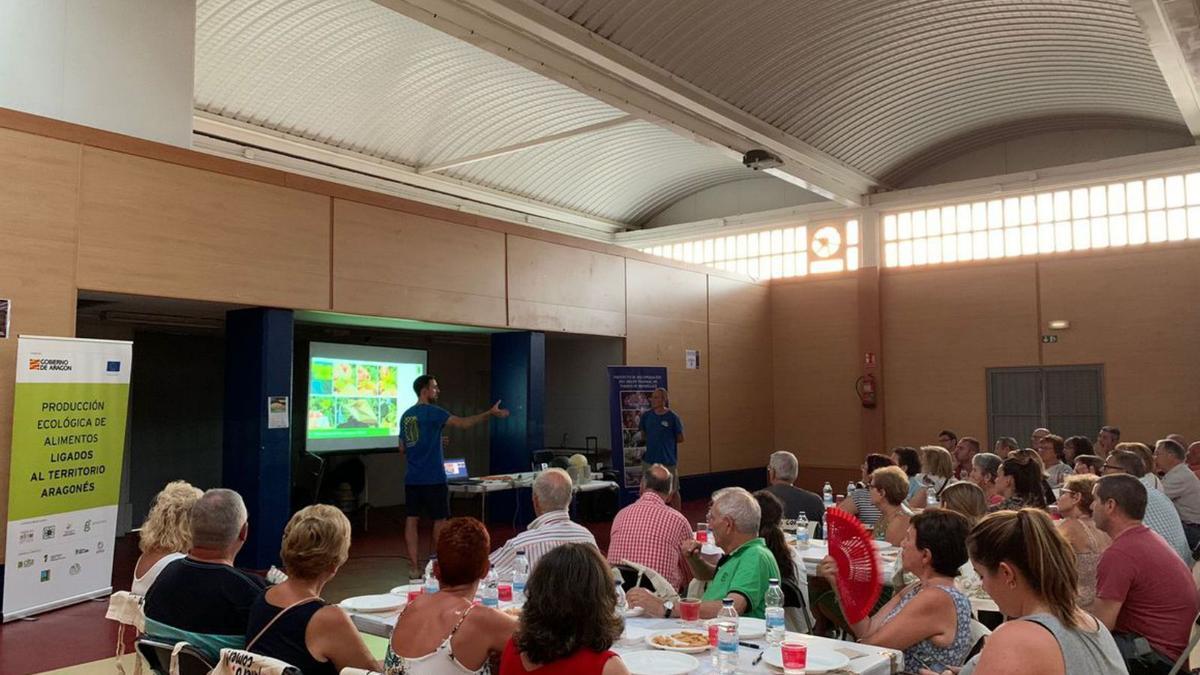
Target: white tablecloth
x=865, y=659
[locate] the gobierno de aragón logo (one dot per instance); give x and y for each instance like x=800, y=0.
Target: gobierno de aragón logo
x=50, y=364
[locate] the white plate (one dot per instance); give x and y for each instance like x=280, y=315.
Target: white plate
x=633, y=612
x=634, y=634
x=654, y=662
x=748, y=628
x=820, y=659
x=402, y=591
x=685, y=650
x=373, y=603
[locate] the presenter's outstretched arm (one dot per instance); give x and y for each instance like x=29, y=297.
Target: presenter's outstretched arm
x=467, y=422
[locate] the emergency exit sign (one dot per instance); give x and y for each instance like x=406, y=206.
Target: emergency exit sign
x=1049, y=339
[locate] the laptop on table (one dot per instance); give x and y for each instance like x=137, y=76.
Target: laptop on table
x=456, y=472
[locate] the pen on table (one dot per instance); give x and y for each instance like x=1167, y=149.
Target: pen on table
x=758, y=658
x=751, y=645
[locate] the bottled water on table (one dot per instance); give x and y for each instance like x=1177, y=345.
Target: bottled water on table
x=491, y=594
x=519, y=577
x=850, y=487
x=431, y=583
x=827, y=494
x=622, y=603
x=774, y=613
x=727, y=638
x=802, y=536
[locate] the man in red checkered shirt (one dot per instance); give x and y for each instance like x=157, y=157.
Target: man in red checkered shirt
x=648, y=532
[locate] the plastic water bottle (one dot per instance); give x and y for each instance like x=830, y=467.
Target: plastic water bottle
x=519, y=576
x=774, y=612
x=622, y=603
x=802, y=536
x=850, y=487
x=431, y=583
x=827, y=493
x=727, y=638
x=491, y=594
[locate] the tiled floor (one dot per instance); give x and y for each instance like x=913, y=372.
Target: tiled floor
x=79, y=640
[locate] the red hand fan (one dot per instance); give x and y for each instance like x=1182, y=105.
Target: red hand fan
x=858, y=578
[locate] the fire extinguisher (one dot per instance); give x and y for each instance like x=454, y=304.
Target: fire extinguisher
x=867, y=390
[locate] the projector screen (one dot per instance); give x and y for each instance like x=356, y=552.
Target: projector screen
x=357, y=393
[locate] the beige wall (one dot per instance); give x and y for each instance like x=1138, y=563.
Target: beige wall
x=739, y=359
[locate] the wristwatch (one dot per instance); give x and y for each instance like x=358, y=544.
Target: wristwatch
x=669, y=606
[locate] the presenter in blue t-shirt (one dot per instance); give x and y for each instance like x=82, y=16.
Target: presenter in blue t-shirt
x=662, y=432
x=425, y=490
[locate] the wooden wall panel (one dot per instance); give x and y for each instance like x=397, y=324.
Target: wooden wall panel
x=741, y=423
x=559, y=288
x=39, y=179
x=941, y=330
x=152, y=228
x=814, y=325
x=668, y=313
x=1137, y=313
x=391, y=263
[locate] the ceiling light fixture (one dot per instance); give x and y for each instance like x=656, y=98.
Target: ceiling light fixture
x=1060, y=324
x=770, y=163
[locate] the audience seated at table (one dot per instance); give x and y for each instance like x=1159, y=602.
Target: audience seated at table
x=1088, y=542
x=1161, y=515
x=859, y=503
x=1004, y=446
x=1019, y=482
x=1053, y=453
x=445, y=633
x=984, y=468
x=782, y=470
x=569, y=622
x=909, y=459
x=1090, y=465
x=1028, y=569
x=929, y=620
x=742, y=573
x=166, y=534
x=966, y=448
x=1106, y=441
x=1076, y=446
x=1180, y=485
x=937, y=471
x=649, y=532
x=290, y=621
x=967, y=499
x=770, y=528
x=887, y=488
x=1143, y=590
x=1152, y=479
x=552, y=492
x=203, y=599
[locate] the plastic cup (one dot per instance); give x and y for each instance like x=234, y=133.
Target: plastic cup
x=795, y=657
x=505, y=591
x=689, y=609
x=702, y=533
x=712, y=634
x=413, y=593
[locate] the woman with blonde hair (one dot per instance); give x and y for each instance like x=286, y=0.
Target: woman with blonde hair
x=166, y=535
x=290, y=621
x=967, y=499
x=1088, y=542
x=937, y=472
x=1028, y=569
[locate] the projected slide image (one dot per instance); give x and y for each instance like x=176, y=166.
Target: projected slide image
x=355, y=399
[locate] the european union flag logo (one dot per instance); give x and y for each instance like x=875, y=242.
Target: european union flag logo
x=114, y=367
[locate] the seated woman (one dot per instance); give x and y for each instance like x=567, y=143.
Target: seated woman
x=1019, y=482
x=1076, y=446
x=289, y=621
x=166, y=534
x=446, y=633
x=560, y=637
x=929, y=620
x=858, y=503
x=967, y=499
x=1029, y=570
x=910, y=460
x=1088, y=542
x=984, y=468
x=770, y=528
x=937, y=472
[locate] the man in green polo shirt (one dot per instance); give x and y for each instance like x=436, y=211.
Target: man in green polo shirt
x=742, y=574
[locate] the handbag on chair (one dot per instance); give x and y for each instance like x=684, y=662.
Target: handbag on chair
x=126, y=609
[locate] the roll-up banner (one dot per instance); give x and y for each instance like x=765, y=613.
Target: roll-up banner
x=629, y=389
x=68, y=437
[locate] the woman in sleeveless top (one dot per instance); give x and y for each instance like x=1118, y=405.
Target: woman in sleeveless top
x=1075, y=507
x=1029, y=570
x=888, y=490
x=930, y=620
x=290, y=622
x=937, y=471
x=569, y=622
x=859, y=503
x=166, y=534
x=444, y=633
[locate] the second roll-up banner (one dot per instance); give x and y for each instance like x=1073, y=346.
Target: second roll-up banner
x=68, y=441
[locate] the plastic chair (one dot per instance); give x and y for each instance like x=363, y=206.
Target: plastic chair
x=158, y=656
x=1183, y=658
x=979, y=633
x=632, y=578
x=793, y=599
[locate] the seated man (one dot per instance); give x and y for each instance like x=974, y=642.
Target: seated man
x=1181, y=485
x=742, y=574
x=203, y=598
x=1144, y=593
x=781, y=476
x=552, y=491
x=1161, y=515
x=649, y=532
